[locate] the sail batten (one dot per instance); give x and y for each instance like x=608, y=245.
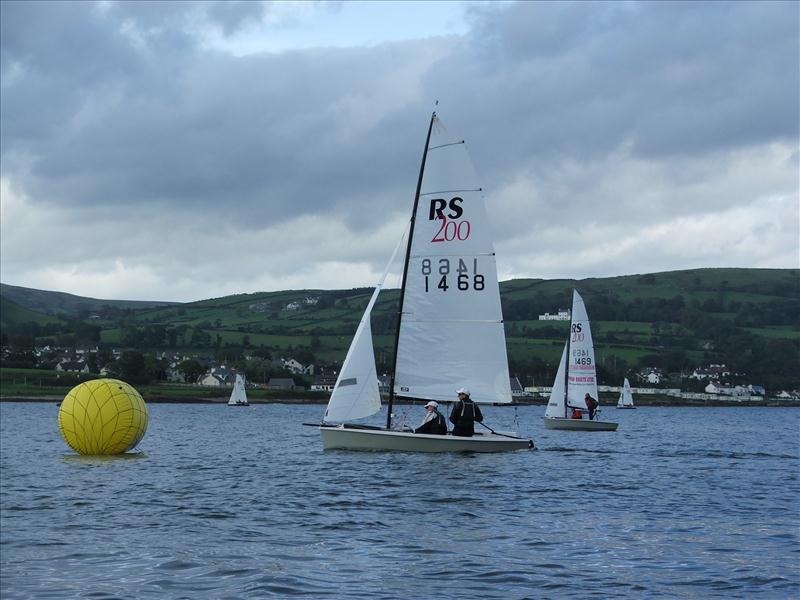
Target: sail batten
x=449, y=192
x=445, y=145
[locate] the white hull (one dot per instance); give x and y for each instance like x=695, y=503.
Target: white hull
x=240, y=404
x=578, y=424
x=339, y=437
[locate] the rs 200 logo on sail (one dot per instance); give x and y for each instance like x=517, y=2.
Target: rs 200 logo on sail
x=452, y=227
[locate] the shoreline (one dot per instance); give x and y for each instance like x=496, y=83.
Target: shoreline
x=666, y=402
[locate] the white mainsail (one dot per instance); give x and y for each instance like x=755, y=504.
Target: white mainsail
x=451, y=330
x=581, y=374
x=625, y=396
x=238, y=395
x=356, y=394
x=555, y=406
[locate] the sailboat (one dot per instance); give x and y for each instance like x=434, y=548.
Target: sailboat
x=238, y=395
x=576, y=377
x=450, y=325
x=625, y=396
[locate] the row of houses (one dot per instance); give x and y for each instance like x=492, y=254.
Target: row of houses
x=712, y=373
x=219, y=375
x=563, y=314
x=734, y=390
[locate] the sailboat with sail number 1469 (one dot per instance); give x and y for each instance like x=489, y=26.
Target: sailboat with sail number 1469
x=576, y=378
x=450, y=326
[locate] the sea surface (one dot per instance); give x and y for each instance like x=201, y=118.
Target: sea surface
x=222, y=502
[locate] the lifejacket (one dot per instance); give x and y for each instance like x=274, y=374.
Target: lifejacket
x=576, y=413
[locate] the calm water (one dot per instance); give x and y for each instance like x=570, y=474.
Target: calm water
x=243, y=503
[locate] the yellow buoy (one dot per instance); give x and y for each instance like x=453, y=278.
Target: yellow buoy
x=102, y=416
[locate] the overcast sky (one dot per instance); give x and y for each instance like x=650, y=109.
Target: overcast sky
x=189, y=150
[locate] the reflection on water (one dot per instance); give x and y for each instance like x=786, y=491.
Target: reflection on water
x=102, y=459
x=680, y=502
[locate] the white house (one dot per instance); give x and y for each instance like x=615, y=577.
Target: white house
x=73, y=366
x=324, y=383
x=726, y=390
x=651, y=375
x=563, y=314
x=292, y=366
x=213, y=380
x=712, y=372
x=718, y=388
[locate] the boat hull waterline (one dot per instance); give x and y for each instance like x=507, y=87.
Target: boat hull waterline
x=578, y=424
x=344, y=438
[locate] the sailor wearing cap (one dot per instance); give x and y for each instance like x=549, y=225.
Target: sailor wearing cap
x=464, y=414
x=434, y=422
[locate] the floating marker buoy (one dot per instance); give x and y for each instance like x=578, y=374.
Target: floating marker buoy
x=102, y=416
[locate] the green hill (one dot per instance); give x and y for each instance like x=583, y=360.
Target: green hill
x=12, y=313
x=54, y=303
x=746, y=318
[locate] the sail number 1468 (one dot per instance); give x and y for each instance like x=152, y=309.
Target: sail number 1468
x=443, y=278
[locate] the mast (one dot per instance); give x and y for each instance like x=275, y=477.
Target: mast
x=566, y=361
x=405, y=271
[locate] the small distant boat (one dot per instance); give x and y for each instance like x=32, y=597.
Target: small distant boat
x=576, y=377
x=238, y=395
x=625, y=396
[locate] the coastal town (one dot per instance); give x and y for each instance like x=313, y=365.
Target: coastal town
x=713, y=382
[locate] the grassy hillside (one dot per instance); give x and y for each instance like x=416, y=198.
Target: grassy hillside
x=746, y=318
x=12, y=313
x=54, y=303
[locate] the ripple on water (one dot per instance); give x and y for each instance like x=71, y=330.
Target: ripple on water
x=668, y=506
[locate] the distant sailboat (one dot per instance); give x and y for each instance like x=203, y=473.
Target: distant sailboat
x=576, y=377
x=625, y=396
x=450, y=330
x=238, y=395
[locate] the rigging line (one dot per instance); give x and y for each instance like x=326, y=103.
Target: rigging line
x=452, y=255
x=452, y=191
x=445, y=145
x=513, y=437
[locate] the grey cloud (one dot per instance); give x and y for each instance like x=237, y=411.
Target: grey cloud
x=231, y=16
x=205, y=130
x=121, y=109
x=672, y=78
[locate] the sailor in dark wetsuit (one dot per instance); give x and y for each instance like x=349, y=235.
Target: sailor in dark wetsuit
x=434, y=422
x=464, y=414
x=591, y=404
